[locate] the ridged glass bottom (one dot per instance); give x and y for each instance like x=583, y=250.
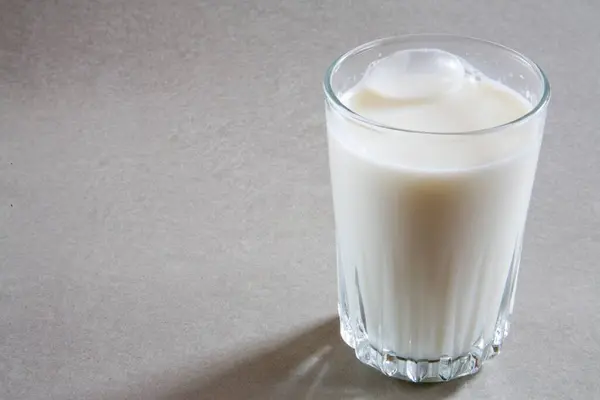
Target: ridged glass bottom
x=407, y=330
x=441, y=370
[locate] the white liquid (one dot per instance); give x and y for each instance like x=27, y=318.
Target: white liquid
x=428, y=225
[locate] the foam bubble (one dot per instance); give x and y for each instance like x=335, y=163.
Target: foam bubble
x=415, y=74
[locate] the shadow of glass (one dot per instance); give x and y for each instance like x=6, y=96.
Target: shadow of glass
x=315, y=365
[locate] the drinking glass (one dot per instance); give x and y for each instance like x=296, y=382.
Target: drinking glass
x=428, y=241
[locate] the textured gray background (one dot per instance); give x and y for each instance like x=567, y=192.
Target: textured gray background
x=165, y=216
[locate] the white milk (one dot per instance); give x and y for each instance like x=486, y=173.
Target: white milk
x=427, y=225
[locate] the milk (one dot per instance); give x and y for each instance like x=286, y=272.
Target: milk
x=429, y=225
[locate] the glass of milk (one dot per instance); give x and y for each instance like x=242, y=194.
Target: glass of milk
x=433, y=145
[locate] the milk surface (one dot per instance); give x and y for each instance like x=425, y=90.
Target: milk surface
x=428, y=225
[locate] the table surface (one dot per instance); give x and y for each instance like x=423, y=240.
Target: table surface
x=166, y=225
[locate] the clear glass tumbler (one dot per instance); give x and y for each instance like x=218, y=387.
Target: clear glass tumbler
x=428, y=242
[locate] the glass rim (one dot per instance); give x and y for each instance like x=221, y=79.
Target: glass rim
x=340, y=107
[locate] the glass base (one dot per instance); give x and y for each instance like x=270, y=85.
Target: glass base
x=441, y=370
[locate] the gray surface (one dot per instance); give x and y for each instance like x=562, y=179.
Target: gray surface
x=165, y=219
